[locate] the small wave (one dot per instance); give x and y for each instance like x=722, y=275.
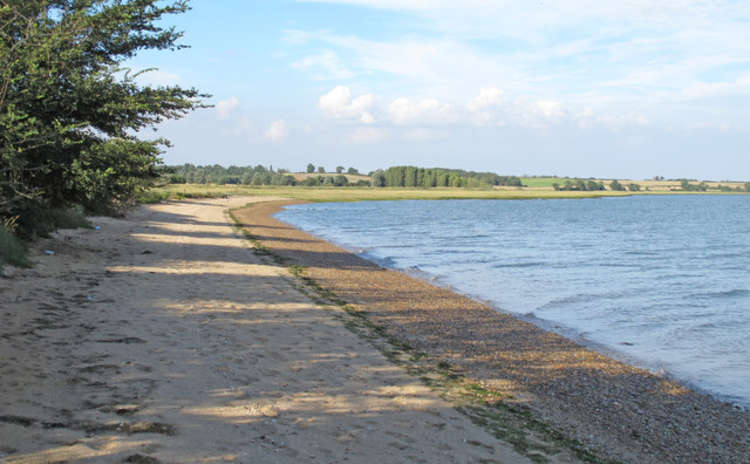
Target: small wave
x=531, y=264
x=734, y=293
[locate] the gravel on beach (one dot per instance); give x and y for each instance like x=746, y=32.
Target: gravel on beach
x=623, y=412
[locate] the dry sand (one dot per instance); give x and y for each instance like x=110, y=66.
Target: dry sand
x=626, y=413
x=162, y=337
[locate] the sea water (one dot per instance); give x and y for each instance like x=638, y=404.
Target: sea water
x=659, y=281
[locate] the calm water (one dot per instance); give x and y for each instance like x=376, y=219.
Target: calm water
x=659, y=281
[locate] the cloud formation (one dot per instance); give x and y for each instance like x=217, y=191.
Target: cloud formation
x=611, y=57
x=277, y=131
x=224, y=108
x=324, y=65
x=338, y=104
x=489, y=107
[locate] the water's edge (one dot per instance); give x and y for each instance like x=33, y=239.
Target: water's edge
x=570, y=333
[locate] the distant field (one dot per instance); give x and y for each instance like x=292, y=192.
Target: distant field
x=542, y=181
x=646, y=185
x=320, y=194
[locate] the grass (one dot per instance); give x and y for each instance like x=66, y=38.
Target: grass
x=12, y=249
x=543, y=181
x=335, y=194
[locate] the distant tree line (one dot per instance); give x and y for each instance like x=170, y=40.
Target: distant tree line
x=411, y=176
x=582, y=185
x=216, y=174
x=252, y=175
x=618, y=187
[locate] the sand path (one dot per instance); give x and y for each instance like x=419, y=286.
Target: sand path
x=162, y=337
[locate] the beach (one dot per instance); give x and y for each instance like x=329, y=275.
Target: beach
x=164, y=337
x=171, y=335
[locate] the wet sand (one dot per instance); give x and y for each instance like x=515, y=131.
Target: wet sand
x=623, y=412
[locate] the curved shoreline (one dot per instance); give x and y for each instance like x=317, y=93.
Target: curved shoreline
x=625, y=412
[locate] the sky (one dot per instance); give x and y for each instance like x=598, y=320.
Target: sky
x=587, y=88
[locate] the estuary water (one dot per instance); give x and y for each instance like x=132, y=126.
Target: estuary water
x=659, y=281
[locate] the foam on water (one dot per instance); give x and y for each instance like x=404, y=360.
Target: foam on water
x=660, y=280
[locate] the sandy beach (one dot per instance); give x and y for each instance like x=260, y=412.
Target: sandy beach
x=165, y=337
x=162, y=337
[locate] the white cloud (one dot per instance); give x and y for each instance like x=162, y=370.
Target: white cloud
x=550, y=109
x=278, y=130
x=616, y=57
x=324, y=65
x=485, y=108
x=369, y=135
x=338, y=104
x=224, y=108
x=427, y=111
x=490, y=96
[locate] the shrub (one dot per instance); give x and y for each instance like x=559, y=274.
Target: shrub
x=12, y=249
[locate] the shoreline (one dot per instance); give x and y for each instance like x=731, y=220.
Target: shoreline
x=656, y=368
x=623, y=411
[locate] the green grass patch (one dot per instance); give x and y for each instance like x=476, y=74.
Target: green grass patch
x=12, y=249
x=543, y=181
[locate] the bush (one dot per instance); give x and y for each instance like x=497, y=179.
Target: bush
x=40, y=221
x=12, y=249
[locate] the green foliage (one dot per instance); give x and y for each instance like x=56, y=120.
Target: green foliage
x=12, y=249
x=321, y=170
x=634, y=187
x=688, y=187
x=310, y=168
x=580, y=185
x=616, y=186
x=40, y=221
x=411, y=176
x=69, y=112
x=233, y=175
x=747, y=186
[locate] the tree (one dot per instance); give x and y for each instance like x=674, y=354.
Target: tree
x=617, y=186
x=352, y=171
x=310, y=168
x=321, y=170
x=339, y=169
x=69, y=112
x=378, y=179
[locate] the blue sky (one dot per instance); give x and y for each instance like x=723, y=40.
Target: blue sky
x=579, y=87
